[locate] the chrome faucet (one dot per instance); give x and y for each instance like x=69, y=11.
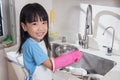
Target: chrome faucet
x=109, y=49
x=88, y=29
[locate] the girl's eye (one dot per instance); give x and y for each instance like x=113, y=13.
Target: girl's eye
x=34, y=23
x=44, y=22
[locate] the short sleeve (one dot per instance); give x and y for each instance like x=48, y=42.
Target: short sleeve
x=38, y=55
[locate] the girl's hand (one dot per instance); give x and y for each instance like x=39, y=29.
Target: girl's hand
x=66, y=60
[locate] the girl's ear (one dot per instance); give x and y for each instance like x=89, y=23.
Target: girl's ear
x=24, y=26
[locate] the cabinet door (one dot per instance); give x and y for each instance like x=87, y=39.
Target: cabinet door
x=3, y=65
x=12, y=76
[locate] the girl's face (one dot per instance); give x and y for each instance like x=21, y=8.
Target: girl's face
x=37, y=30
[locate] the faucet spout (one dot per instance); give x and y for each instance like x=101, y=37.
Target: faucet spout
x=109, y=49
x=88, y=24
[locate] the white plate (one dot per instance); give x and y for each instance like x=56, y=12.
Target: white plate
x=78, y=71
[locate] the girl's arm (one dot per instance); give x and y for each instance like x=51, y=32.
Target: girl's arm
x=63, y=61
x=48, y=64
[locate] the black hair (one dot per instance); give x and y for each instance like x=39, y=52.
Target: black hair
x=28, y=14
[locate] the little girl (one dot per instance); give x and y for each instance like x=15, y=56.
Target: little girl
x=35, y=45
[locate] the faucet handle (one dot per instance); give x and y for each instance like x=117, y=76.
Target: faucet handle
x=64, y=39
x=79, y=36
x=109, y=50
x=105, y=46
x=80, y=39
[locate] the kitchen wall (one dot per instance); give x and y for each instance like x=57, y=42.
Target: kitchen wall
x=70, y=20
x=66, y=22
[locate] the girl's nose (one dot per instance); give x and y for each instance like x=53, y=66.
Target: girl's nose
x=40, y=28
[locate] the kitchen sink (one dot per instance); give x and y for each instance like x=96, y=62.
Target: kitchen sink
x=95, y=64
x=90, y=62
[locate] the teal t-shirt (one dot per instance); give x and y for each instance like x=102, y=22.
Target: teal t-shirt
x=33, y=55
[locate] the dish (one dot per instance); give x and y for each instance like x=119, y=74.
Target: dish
x=78, y=71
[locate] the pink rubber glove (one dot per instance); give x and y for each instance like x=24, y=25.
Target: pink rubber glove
x=66, y=60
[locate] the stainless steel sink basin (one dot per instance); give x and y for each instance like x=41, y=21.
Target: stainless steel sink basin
x=92, y=63
x=95, y=64
x=60, y=49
